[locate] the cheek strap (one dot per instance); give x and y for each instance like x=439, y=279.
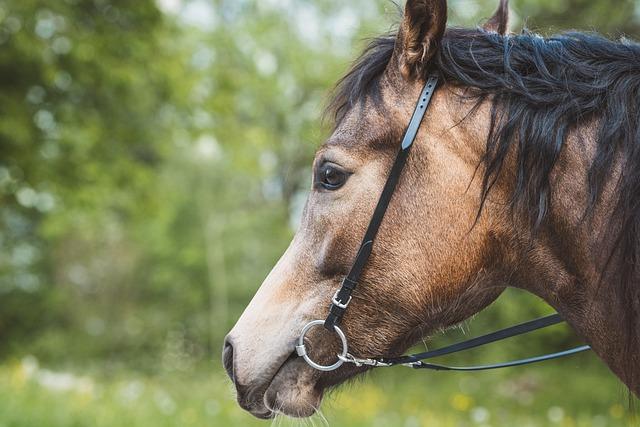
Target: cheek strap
x=342, y=297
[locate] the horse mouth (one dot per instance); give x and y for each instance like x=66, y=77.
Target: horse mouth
x=297, y=390
x=285, y=385
x=291, y=391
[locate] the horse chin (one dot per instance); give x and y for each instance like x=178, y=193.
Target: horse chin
x=294, y=391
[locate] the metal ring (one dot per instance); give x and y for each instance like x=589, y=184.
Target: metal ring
x=302, y=351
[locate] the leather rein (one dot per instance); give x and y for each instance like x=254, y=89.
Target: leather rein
x=342, y=298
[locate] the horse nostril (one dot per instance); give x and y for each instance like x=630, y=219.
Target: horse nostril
x=227, y=358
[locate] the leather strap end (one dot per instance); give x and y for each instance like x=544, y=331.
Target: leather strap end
x=330, y=322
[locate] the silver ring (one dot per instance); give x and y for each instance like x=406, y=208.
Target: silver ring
x=302, y=351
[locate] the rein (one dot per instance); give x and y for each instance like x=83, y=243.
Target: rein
x=342, y=297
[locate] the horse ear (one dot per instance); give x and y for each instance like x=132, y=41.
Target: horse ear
x=499, y=22
x=420, y=34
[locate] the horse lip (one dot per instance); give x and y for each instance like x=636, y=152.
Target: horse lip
x=292, y=356
x=251, y=399
x=254, y=402
x=269, y=414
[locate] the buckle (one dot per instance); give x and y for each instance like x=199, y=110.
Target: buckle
x=339, y=303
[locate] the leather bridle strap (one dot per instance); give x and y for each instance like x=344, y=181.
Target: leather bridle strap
x=502, y=334
x=342, y=298
x=519, y=362
x=416, y=360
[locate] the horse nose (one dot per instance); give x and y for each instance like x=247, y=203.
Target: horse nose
x=243, y=393
x=227, y=358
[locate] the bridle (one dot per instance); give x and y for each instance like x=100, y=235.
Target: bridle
x=342, y=298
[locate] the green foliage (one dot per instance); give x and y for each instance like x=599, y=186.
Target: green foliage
x=154, y=157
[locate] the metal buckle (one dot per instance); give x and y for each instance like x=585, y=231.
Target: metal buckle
x=337, y=303
x=349, y=358
x=302, y=351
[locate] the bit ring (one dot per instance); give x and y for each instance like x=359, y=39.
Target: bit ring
x=302, y=351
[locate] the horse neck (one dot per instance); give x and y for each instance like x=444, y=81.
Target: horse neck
x=563, y=263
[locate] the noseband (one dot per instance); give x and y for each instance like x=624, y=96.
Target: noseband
x=342, y=297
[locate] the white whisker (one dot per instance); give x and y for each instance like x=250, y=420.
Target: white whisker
x=324, y=419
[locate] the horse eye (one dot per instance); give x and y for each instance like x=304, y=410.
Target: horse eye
x=331, y=177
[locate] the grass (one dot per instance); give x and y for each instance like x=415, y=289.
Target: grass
x=575, y=392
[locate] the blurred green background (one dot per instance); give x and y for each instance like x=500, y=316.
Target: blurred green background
x=154, y=158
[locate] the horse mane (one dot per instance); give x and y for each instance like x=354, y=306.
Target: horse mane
x=541, y=89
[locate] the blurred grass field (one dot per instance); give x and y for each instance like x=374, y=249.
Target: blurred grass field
x=570, y=393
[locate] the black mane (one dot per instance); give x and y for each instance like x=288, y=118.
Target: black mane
x=541, y=89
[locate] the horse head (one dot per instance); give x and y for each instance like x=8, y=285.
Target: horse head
x=434, y=262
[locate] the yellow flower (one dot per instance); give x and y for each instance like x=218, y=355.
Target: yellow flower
x=461, y=402
x=616, y=411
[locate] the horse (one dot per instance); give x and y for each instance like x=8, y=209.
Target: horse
x=525, y=172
